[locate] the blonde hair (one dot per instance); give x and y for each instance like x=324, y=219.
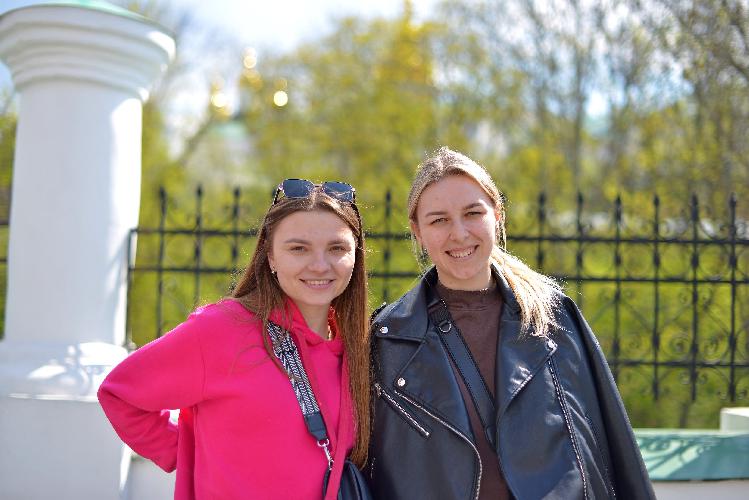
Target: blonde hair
x=536, y=294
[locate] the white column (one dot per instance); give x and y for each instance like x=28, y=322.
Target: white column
x=82, y=70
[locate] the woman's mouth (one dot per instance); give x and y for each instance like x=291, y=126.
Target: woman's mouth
x=461, y=253
x=317, y=283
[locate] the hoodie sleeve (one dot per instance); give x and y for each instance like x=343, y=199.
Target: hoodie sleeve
x=168, y=373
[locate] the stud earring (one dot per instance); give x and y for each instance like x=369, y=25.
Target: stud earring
x=423, y=256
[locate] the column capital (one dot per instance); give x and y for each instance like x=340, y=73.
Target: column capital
x=81, y=41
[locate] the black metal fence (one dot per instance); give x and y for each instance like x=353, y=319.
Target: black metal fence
x=667, y=295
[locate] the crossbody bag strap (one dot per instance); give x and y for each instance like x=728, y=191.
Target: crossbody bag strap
x=287, y=353
x=461, y=356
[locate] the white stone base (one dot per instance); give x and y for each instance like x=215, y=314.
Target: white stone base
x=734, y=419
x=148, y=482
x=61, y=449
x=56, y=370
x=699, y=490
x=55, y=441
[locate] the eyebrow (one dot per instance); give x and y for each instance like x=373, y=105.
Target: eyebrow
x=442, y=212
x=307, y=242
x=338, y=242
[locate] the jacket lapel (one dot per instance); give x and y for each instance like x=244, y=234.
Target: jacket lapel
x=520, y=355
x=427, y=377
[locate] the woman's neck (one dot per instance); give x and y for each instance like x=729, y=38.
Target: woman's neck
x=316, y=318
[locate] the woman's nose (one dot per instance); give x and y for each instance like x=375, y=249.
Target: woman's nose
x=458, y=231
x=319, y=262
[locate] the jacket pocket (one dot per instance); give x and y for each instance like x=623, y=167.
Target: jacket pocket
x=383, y=393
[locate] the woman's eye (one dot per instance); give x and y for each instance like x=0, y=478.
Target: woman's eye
x=439, y=220
x=297, y=249
x=338, y=248
x=474, y=213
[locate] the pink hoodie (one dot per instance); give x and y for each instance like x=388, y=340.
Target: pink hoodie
x=241, y=433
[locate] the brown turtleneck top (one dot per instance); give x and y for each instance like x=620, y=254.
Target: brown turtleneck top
x=476, y=314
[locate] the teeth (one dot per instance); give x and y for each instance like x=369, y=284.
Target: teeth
x=318, y=282
x=464, y=253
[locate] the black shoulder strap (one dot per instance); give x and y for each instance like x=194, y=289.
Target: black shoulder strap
x=463, y=359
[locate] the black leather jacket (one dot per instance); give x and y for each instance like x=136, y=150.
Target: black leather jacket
x=562, y=430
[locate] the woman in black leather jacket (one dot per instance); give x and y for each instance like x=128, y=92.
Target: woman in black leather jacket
x=527, y=407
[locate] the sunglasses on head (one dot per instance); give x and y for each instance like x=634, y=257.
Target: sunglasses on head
x=302, y=188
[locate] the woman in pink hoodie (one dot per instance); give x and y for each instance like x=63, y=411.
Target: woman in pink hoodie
x=241, y=433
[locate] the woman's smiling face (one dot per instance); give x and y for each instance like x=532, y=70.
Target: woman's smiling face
x=456, y=223
x=313, y=254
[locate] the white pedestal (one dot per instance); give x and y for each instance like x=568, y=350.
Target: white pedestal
x=81, y=70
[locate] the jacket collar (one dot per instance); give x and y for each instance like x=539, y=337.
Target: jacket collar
x=520, y=355
x=407, y=318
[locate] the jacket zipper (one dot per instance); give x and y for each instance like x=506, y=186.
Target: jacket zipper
x=456, y=431
x=601, y=455
x=568, y=422
x=382, y=393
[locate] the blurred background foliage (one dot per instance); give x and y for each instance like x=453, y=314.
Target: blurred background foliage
x=601, y=97
x=594, y=97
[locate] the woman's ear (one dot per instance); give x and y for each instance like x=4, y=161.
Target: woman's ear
x=415, y=232
x=271, y=262
x=498, y=217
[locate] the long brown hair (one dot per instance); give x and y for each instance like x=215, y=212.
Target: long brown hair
x=537, y=294
x=258, y=290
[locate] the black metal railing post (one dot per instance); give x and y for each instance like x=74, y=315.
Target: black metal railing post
x=235, y=229
x=695, y=264
x=616, y=343
x=733, y=263
x=655, y=336
x=198, y=242
x=580, y=233
x=387, y=253
x=160, y=262
x=541, y=231
x=130, y=259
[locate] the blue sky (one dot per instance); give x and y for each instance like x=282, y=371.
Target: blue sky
x=284, y=23
x=281, y=23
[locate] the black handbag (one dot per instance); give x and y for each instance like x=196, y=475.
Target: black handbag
x=353, y=485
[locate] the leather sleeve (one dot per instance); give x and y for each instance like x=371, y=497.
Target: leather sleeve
x=631, y=476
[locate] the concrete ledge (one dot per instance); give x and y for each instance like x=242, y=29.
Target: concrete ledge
x=699, y=490
x=694, y=455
